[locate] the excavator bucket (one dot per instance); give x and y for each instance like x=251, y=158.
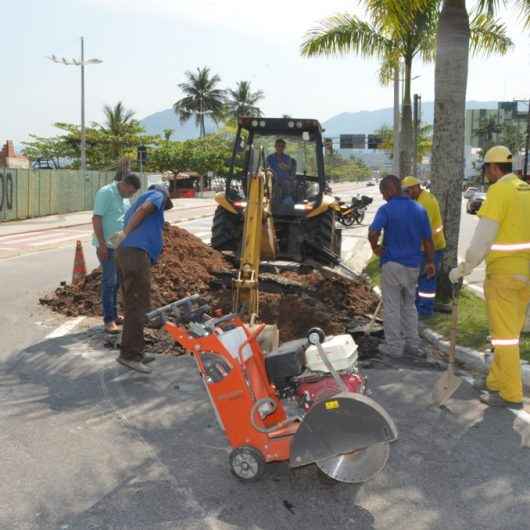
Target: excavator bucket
x=346, y=436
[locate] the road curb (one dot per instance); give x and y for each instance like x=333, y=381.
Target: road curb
x=470, y=358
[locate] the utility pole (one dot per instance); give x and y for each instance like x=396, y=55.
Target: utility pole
x=417, y=121
x=527, y=146
x=397, y=105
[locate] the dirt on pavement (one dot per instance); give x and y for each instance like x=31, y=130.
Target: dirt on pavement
x=187, y=266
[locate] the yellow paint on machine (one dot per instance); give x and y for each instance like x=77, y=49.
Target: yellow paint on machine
x=327, y=203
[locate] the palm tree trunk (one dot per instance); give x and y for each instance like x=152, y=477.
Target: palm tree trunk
x=405, y=138
x=448, y=156
x=202, y=130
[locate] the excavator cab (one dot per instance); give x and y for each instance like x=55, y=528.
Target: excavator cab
x=302, y=207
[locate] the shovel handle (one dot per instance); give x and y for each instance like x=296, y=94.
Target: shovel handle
x=454, y=328
x=374, y=316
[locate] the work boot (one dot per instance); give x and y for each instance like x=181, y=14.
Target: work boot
x=479, y=383
x=146, y=359
x=137, y=366
x=416, y=352
x=120, y=320
x=393, y=354
x=111, y=328
x=493, y=399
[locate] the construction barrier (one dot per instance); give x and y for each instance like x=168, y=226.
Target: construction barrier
x=27, y=193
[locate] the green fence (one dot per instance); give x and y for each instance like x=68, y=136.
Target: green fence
x=26, y=193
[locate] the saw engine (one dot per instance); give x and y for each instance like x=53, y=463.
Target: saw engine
x=298, y=373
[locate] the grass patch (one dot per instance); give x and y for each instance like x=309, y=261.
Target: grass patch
x=473, y=328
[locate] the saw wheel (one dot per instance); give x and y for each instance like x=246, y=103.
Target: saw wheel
x=357, y=466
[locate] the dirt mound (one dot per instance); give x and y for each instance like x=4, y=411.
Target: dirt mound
x=296, y=302
x=185, y=267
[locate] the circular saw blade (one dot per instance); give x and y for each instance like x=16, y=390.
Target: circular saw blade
x=358, y=466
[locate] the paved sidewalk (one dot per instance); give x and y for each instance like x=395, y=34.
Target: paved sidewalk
x=193, y=207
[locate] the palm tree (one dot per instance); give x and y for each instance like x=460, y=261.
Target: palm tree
x=452, y=51
x=394, y=34
x=201, y=97
x=119, y=125
x=168, y=133
x=242, y=101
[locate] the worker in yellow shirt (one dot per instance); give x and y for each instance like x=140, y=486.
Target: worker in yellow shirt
x=502, y=237
x=426, y=292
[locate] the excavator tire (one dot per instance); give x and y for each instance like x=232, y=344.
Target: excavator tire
x=227, y=230
x=321, y=232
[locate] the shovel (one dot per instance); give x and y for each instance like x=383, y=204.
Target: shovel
x=368, y=328
x=448, y=383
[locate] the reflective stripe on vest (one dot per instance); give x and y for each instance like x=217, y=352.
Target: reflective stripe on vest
x=426, y=295
x=439, y=229
x=505, y=342
x=510, y=247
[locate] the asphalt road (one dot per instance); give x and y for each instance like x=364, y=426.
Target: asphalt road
x=88, y=445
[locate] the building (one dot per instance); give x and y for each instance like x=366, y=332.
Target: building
x=10, y=159
x=506, y=124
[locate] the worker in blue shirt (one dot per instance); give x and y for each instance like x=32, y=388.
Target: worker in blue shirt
x=405, y=226
x=283, y=169
x=139, y=247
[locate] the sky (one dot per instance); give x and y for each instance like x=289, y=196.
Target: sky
x=147, y=46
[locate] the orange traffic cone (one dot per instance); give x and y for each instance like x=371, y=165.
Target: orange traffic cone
x=79, y=273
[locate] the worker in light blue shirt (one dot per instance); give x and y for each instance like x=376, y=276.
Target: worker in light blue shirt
x=110, y=206
x=405, y=226
x=139, y=247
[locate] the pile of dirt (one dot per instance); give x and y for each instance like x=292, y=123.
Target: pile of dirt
x=297, y=302
x=186, y=267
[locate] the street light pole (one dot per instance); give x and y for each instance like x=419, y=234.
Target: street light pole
x=82, y=63
x=83, y=131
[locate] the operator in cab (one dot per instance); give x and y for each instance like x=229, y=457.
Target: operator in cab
x=283, y=168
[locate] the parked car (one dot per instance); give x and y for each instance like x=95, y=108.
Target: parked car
x=475, y=202
x=470, y=191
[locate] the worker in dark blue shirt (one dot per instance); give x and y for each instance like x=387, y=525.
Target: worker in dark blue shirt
x=283, y=169
x=405, y=226
x=139, y=246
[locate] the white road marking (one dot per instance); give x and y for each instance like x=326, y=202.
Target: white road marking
x=34, y=235
x=60, y=239
x=65, y=328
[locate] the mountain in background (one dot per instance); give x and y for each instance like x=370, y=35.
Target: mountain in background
x=364, y=122
x=167, y=119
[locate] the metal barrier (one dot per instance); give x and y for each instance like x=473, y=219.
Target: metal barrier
x=26, y=193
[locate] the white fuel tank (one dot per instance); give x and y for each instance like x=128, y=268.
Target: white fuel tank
x=340, y=349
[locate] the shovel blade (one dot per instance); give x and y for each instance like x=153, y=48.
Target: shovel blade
x=445, y=387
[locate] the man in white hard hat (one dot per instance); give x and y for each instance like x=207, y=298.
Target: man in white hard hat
x=426, y=292
x=502, y=237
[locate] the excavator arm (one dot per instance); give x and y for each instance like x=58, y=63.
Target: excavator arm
x=259, y=241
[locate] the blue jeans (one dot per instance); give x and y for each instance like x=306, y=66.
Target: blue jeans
x=426, y=292
x=109, y=288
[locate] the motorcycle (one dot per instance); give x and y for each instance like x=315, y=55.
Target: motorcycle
x=355, y=211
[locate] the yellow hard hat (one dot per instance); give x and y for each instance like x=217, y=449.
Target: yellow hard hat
x=408, y=182
x=499, y=154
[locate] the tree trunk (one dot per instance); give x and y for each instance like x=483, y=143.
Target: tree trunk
x=448, y=157
x=405, y=137
x=202, y=131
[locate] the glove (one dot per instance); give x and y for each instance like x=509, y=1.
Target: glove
x=457, y=273
x=116, y=240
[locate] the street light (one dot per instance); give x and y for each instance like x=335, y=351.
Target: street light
x=82, y=63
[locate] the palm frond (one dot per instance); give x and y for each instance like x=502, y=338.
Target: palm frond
x=490, y=6
x=488, y=36
x=342, y=34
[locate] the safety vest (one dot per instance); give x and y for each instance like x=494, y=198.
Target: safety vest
x=430, y=203
x=508, y=203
